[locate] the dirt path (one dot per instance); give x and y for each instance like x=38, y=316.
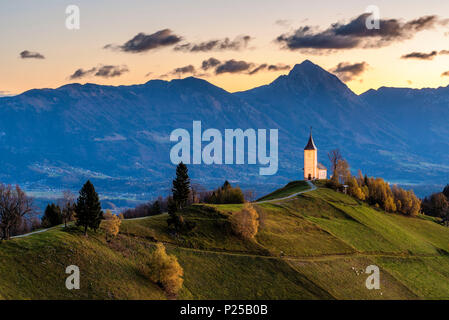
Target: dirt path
x=324, y=257
x=312, y=187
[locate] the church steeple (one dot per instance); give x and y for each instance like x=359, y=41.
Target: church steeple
x=310, y=145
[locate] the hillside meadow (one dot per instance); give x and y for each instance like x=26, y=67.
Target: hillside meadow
x=316, y=245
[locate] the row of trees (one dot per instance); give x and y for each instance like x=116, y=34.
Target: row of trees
x=86, y=211
x=17, y=210
x=374, y=191
x=225, y=194
x=62, y=212
x=147, y=209
x=437, y=205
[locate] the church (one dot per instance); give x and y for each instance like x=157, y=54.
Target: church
x=312, y=168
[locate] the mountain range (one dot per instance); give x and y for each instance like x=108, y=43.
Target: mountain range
x=118, y=136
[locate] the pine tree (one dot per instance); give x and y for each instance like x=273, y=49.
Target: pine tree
x=446, y=191
x=88, y=208
x=181, y=186
x=226, y=185
x=52, y=216
x=156, y=208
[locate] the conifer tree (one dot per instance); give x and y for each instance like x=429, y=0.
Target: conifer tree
x=181, y=186
x=156, y=208
x=52, y=216
x=88, y=208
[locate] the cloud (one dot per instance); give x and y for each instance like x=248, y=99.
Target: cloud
x=189, y=69
x=144, y=42
x=112, y=138
x=278, y=67
x=420, y=55
x=444, y=52
x=348, y=72
x=233, y=66
x=283, y=23
x=238, y=43
x=81, y=73
x=210, y=63
x=445, y=74
x=110, y=71
x=236, y=66
x=31, y=55
x=220, y=67
x=4, y=93
x=271, y=67
x=355, y=34
x=103, y=71
x=186, y=69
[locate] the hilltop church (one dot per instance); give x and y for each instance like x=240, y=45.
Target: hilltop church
x=312, y=168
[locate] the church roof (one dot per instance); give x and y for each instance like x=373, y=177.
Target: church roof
x=310, y=145
x=321, y=166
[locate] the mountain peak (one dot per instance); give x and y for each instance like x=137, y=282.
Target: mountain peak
x=307, y=67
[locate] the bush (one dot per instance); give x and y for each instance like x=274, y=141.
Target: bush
x=245, y=223
x=165, y=270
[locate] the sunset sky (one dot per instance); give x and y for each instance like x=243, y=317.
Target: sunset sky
x=251, y=42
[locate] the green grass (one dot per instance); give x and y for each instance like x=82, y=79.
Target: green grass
x=285, y=233
x=34, y=267
x=426, y=276
x=345, y=279
x=289, y=189
x=224, y=276
x=313, y=246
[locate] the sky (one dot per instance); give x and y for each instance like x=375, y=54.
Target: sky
x=234, y=44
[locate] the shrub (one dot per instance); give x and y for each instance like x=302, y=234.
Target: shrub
x=165, y=270
x=245, y=223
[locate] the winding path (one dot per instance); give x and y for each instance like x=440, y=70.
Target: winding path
x=312, y=187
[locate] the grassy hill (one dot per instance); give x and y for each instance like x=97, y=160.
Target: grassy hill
x=313, y=246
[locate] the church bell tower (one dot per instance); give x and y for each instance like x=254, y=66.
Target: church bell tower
x=310, y=160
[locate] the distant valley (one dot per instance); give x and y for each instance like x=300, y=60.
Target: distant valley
x=55, y=139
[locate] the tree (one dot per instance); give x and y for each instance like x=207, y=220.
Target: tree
x=245, y=223
x=181, y=186
x=88, y=208
x=173, y=218
x=180, y=198
x=446, y=191
x=14, y=206
x=165, y=270
x=156, y=208
x=52, y=216
x=111, y=225
x=67, y=205
x=334, y=156
x=226, y=194
x=354, y=189
x=437, y=205
x=406, y=202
